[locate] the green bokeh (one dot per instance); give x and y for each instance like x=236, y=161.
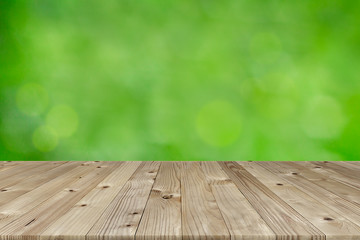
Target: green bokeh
x=179, y=80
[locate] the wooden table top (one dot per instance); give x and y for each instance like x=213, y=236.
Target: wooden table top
x=179, y=200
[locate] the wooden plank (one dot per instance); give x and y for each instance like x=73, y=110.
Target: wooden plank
x=339, y=173
x=280, y=217
x=77, y=222
x=314, y=174
x=331, y=223
x=201, y=217
x=36, y=220
x=27, y=169
x=122, y=217
x=16, y=190
x=4, y=165
x=162, y=215
x=351, y=165
x=342, y=206
x=19, y=206
x=176, y=200
x=242, y=220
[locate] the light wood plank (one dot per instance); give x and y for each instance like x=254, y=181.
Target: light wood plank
x=162, y=216
x=77, y=222
x=36, y=220
x=350, y=165
x=282, y=219
x=242, y=220
x=315, y=174
x=19, y=206
x=27, y=169
x=342, y=206
x=122, y=217
x=201, y=217
x=332, y=224
x=342, y=174
x=179, y=200
x=4, y=165
x=27, y=185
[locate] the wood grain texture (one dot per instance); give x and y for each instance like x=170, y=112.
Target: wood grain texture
x=179, y=200
x=329, y=222
x=13, y=191
x=121, y=218
x=342, y=174
x=321, y=178
x=240, y=217
x=83, y=215
x=162, y=216
x=281, y=217
x=331, y=200
x=37, y=219
x=201, y=216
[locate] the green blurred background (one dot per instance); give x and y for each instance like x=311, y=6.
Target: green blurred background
x=179, y=80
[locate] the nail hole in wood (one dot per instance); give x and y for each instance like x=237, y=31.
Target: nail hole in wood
x=317, y=167
x=98, y=167
x=128, y=225
x=106, y=186
x=294, y=173
x=83, y=205
x=328, y=219
x=3, y=190
x=72, y=190
x=279, y=184
x=135, y=213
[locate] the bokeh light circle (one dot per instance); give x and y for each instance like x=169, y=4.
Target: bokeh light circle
x=32, y=99
x=45, y=139
x=323, y=118
x=219, y=123
x=63, y=119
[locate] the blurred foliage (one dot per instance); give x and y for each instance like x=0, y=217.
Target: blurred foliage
x=179, y=80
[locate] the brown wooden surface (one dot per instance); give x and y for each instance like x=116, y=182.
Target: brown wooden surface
x=179, y=200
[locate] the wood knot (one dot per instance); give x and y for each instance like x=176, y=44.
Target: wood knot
x=328, y=219
x=128, y=225
x=72, y=190
x=105, y=186
x=167, y=196
x=98, y=167
x=279, y=184
x=3, y=190
x=135, y=213
x=294, y=173
x=83, y=205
